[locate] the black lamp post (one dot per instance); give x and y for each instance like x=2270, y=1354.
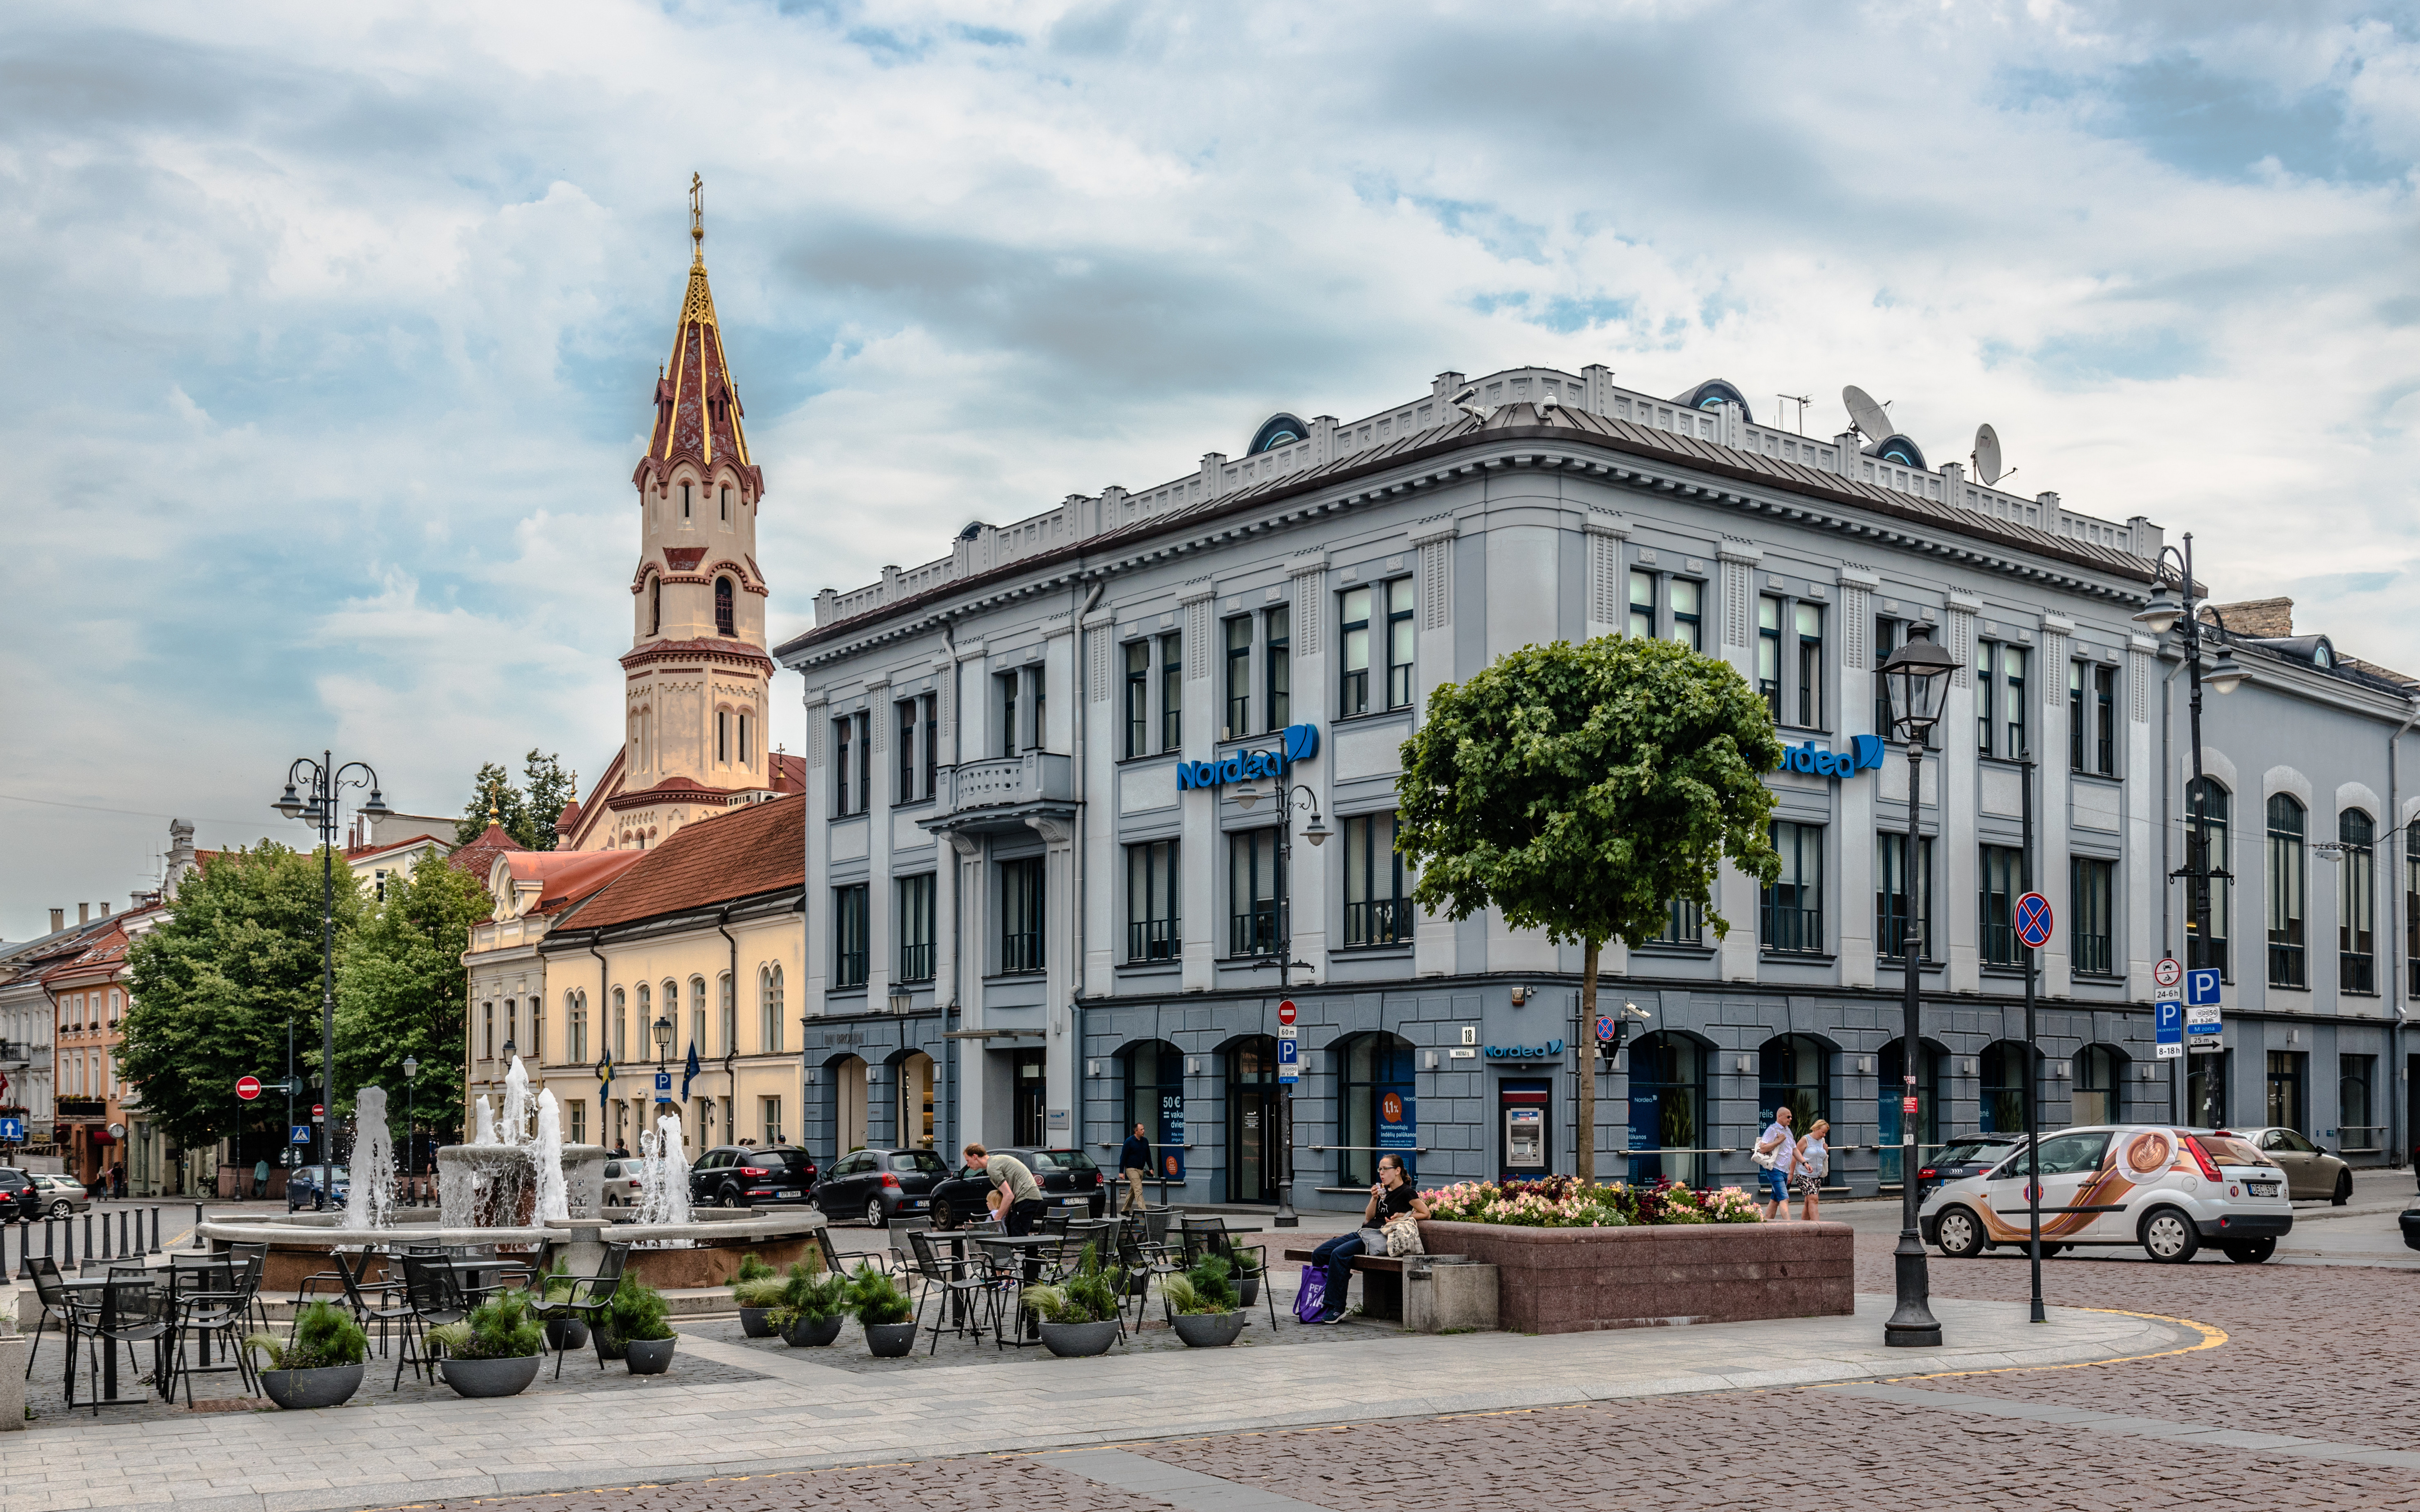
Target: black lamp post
x=662, y=1029
x=1289, y=799
x=1914, y=678
x=2178, y=612
x=411, y=1118
x=326, y=782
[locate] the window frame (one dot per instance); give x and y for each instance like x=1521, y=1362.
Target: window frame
x=1238, y=701
x=2216, y=952
x=1171, y=693
x=2092, y=900
x=1137, y=695
x=906, y=713
x=1640, y=624
x=1277, y=664
x=2286, y=891
x=1790, y=910
x=1253, y=856
x=1374, y=919
x=852, y=927
x=1155, y=902
x=915, y=899
x=1024, y=944
x=1770, y=609
x=1890, y=924
x=1403, y=642
x=1351, y=642
x=1995, y=907
x=2357, y=903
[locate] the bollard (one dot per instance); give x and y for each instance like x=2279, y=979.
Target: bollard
x=197, y=1227
x=122, y=1221
x=67, y=1226
x=88, y=1251
x=104, y=1251
x=50, y=1241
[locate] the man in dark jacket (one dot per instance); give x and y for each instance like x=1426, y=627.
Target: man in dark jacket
x=1134, y=1164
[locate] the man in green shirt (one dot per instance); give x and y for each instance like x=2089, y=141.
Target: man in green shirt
x=1016, y=1198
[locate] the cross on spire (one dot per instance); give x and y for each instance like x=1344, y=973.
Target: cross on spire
x=697, y=216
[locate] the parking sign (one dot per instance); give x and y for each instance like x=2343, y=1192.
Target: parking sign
x=1289, y=1060
x=2202, y=987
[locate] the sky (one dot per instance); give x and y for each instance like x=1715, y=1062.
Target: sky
x=332, y=329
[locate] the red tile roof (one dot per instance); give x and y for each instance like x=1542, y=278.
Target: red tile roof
x=565, y=876
x=481, y=854
x=743, y=853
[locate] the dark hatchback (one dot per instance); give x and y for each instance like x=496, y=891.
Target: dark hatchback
x=880, y=1184
x=741, y=1175
x=1961, y=1158
x=1063, y=1175
x=19, y=1196
x=302, y=1187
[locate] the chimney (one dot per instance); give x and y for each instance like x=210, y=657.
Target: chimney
x=84, y=913
x=58, y=920
x=103, y=906
x=181, y=856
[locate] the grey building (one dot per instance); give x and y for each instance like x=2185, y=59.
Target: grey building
x=1033, y=858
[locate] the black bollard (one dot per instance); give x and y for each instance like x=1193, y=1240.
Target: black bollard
x=197, y=1227
x=67, y=1226
x=50, y=1246
x=155, y=1228
x=122, y=1221
x=88, y=1251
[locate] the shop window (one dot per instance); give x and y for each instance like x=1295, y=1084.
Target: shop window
x=1931, y=1095
x=1668, y=1110
x=1794, y=1072
x=2288, y=1109
x=1378, y=1108
x=2098, y=1073
x=2003, y=1067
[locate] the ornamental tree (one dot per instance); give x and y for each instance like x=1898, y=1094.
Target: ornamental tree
x=1581, y=790
x=401, y=990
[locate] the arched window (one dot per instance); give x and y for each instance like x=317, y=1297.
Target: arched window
x=726, y=504
x=2209, y=806
x=722, y=610
x=2356, y=904
x=2099, y=1076
x=2287, y=883
x=621, y=1039
x=654, y=606
x=1155, y=1098
x=1668, y=1108
x=768, y=1038
x=1932, y=1093
x=728, y=1040
x=697, y=1014
x=1795, y=1073
x=684, y=489
x=1376, y=1106
x=575, y=1027
x=647, y=1015
x=2003, y=1108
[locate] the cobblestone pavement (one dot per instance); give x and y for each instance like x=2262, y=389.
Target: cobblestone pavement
x=2324, y=1355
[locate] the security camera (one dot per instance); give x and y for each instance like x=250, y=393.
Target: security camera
x=1549, y=402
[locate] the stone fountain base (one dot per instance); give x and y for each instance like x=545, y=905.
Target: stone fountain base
x=702, y=1254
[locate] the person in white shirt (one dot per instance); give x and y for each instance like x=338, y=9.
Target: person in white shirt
x=1812, y=1164
x=1776, y=1151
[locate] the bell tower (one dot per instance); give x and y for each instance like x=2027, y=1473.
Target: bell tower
x=696, y=676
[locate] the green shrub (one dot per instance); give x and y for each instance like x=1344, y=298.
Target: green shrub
x=324, y=1334
x=811, y=1296
x=752, y=1269
x=1204, y=1289
x=759, y=1291
x=500, y=1327
x=1088, y=1296
x=876, y=1298
x=637, y=1312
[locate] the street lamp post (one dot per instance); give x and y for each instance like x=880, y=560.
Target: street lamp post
x=1913, y=678
x=662, y=1029
x=2180, y=612
x=326, y=782
x=1289, y=798
x=410, y=1115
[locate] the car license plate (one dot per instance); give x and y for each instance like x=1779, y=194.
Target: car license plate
x=787, y=1192
x=2262, y=1189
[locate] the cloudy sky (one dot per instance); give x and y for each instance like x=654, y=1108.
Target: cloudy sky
x=332, y=327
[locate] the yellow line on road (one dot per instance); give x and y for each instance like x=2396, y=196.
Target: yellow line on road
x=2211, y=1337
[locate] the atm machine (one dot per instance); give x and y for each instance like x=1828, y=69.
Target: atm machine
x=1524, y=1123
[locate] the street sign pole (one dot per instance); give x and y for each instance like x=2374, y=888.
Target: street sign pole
x=2033, y=1065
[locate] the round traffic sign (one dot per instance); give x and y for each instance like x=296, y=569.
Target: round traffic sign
x=2168, y=972
x=247, y=1087
x=1604, y=1029
x=1285, y=1012
x=2033, y=920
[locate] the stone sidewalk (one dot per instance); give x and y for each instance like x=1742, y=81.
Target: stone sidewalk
x=805, y=1415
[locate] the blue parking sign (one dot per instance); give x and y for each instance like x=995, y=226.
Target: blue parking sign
x=2201, y=986
x=1289, y=1062
x=2168, y=1022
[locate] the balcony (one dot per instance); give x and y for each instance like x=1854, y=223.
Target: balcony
x=1001, y=793
x=82, y=1107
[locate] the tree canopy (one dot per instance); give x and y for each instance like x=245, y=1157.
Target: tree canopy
x=401, y=990
x=1581, y=788
x=526, y=812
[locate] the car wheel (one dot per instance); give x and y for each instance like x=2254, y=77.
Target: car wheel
x=2343, y=1193
x=2169, y=1237
x=873, y=1214
x=2251, y=1251
x=1958, y=1233
x=62, y=1208
x=942, y=1216
x=730, y=1198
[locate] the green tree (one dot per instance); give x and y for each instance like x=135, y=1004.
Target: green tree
x=401, y=990
x=1581, y=790
x=527, y=814
x=217, y=985
x=550, y=786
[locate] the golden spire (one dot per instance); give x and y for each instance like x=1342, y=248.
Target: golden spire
x=697, y=216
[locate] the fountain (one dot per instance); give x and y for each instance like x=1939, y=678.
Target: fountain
x=517, y=1186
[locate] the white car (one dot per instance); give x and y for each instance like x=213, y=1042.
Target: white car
x=2169, y=1190
x=621, y=1183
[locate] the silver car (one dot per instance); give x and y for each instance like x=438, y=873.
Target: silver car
x=622, y=1182
x=2311, y=1172
x=61, y=1195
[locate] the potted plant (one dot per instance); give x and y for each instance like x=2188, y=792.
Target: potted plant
x=637, y=1320
x=320, y=1364
x=494, y=1353
x=812, y=1306
x=759, y=1297
x=1079, y=1316
x=1248, y=1277
x=883, y=1310
x=1206, y=1313
x=562, y=1330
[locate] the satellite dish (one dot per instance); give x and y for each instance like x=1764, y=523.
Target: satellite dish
x=1864, y=414
x=1987, y=454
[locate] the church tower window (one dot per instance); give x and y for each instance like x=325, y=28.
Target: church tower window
x=726, y=504
x=685, y=501
x=723, y=607
x=654, y=606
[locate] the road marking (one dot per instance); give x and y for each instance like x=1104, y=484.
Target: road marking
x=2208, y=1434
x=2211, y=1337
x=1187, y=1489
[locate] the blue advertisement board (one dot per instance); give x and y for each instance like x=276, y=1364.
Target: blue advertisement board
x=1399, y=1127
x=1172, y=1135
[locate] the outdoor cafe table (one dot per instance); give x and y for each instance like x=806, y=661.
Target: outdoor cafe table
x=107, y=1287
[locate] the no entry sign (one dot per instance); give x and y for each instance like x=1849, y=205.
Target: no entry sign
x=247, y=1087
x=1285, y=1012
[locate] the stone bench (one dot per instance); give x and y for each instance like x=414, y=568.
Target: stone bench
x=1425, y=1293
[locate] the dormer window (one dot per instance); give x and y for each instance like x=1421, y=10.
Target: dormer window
x=722, y=607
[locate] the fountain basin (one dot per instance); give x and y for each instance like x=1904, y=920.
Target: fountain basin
x=692, y=1255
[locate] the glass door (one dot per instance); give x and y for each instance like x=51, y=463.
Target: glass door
x=1253, y=1158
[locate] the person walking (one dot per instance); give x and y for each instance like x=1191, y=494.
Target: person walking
x=1016, y=1198
x=1812, y=1164
x=1776, y=1152
x=1391, y=1195
x=1134, y=1164
x=260, y=1176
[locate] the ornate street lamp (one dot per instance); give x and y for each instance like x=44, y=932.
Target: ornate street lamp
x=1915, y=678
x=411, y=1118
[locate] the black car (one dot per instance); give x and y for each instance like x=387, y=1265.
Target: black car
x=19, y=1196
x=1063, y=1175
x=879, y=1184
x=302, y=1187
x=742, y=1176
x=1961, y=1158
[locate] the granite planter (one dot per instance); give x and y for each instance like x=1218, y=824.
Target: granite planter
x=1575, y=1280
x=756, y=1323
x=1210, y=1330
x=1073, y=1341
x=811, y=1332
x=608, y=1346
x=328, y=1386
x=489, y=1378
x=567, y=1333
x=890, y=1341
x=648, y=1357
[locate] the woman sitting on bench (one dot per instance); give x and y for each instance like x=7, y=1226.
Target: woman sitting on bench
x=1391, y=1195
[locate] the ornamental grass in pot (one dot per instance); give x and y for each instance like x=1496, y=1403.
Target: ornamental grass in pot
x=495, y=1351
x=640, y=1322
x=1080, y=1315
x=317, y=1364
x=563, y=1331
x=883, y=1310
x=757, y=1290
x=1206, y=1313
x=812, y=1306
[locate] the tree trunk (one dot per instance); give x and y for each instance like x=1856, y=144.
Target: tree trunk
x=1584, y=1155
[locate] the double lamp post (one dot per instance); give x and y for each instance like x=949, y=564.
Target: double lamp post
x=325, y=782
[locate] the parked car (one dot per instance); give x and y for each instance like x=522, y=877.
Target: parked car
x=2311, y=1172
x=879, y=1184
x=1064, y=1175
x=621, y=1183
x=1961, y=1158
x=302, y=1187
x=19, y=1196
x=742, y=1176
x=60, y=1195
x=2169, y=1190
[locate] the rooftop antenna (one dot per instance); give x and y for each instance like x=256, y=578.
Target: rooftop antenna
x=1986, y=457
x=1798, y=399
x=1873, y=420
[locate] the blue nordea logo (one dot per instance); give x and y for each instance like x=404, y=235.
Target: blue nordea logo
x=1301, y=744
x=1864, y=751
x=1550, y=1050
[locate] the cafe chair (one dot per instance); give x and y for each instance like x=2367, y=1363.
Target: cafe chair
x=134, y=1311
x=956, y=1288
x=584, y=1297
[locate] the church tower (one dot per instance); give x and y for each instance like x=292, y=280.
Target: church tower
x=696, y=676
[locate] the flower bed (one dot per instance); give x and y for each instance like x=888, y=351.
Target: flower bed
x=1566, y=1202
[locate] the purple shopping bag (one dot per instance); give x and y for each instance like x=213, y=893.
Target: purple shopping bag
x=1310, y=1296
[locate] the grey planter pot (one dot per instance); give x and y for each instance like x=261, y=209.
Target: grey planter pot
x=890, y=1341
x=329, y=1386
x=807, y=1335
x=567, y=1333
x=489, y=1378
x=1210, y=1330
x=650, y=1357
x=608, y=1346
x=1074, y=1341
x=1249, y=1289
x=756, y=1323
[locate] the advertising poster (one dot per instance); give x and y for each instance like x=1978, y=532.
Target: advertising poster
x=1171, y=1145
x=1399, y=1127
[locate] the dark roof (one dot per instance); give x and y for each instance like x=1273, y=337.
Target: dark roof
x=479, y=856
x=743, y=853
x=1522, y=423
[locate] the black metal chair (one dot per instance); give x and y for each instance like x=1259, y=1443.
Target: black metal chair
x=435, y=1297
x=258, y=1257
x=830, y=1252
x=207, y=1302
x=58, y=1307
x=134, y=1311
x=1209, y=1236
x=1141, y=1262
x=584, y=1297
x=389, y=1309
x=957, y=1286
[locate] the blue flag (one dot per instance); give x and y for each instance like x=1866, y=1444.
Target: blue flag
x=689, y=1072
